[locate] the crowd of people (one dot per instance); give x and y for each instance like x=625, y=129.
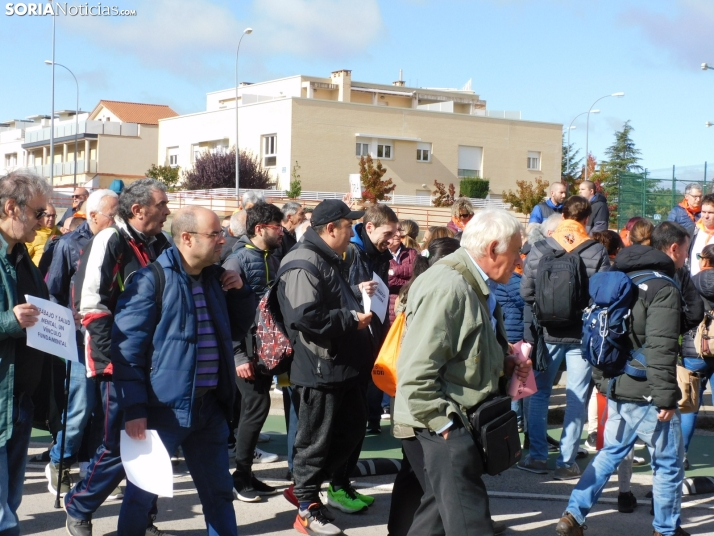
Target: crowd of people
x=168, y=341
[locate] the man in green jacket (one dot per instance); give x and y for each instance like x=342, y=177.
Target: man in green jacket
x=454, y=356
x=23, y=200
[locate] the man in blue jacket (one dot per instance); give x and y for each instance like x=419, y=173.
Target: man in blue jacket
x=688, y=212
x=552, y=205
x=173, y=365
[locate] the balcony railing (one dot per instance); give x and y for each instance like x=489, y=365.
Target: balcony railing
x=65, y=168
x=67, y=129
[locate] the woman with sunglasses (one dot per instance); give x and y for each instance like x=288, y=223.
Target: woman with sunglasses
x=47, y=232
x=461, y=213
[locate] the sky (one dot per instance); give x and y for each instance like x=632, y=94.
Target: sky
x=549, y=59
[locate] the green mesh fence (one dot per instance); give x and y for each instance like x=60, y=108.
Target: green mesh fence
x=652, y=194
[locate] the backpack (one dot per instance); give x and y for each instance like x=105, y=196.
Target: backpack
x=705, y=333
x=273, y=347
x=561, y=286
x=607, y=323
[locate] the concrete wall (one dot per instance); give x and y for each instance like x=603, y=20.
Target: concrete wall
x=324, y=144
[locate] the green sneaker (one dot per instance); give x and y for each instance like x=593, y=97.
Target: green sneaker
x=366, y=499
x=345, y=500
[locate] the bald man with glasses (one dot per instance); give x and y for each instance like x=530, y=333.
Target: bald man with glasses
x=79, y=196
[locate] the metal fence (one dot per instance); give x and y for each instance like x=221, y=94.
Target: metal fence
x=652, y=194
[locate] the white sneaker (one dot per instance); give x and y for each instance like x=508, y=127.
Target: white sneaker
x=263, y=438
x=83, y=469
x=260, y=456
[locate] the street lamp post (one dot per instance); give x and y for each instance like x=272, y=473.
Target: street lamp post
x=587, y=127
x=76, y=119
x=571, y=127
x=247, y=31
x=52, y=113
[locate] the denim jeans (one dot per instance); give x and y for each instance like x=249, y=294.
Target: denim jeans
x=291, y=405
x=579, y=374
x=13, y=457
x=626, y=422
x=204, y=448
x=82, y=397
x=705, y=368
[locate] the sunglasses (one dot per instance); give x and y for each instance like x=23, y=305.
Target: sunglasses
x=37, y=212
x=77, y=196
x=700, y=257
x=464, y=216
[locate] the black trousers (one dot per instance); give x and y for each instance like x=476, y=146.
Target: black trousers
x=454, y=493
x=330, y=425
x=408, y=492
x=254, y=409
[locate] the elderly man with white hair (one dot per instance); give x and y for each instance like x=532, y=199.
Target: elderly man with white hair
x=453, y=357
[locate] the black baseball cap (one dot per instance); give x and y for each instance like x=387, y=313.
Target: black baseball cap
x=332, y=210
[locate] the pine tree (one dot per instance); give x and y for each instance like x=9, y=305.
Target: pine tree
x=570, y=166
x=622, y=155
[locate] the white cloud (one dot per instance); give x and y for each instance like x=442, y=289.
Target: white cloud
x=685, y=29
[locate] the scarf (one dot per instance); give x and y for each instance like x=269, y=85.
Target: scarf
x=692, y=213
x=570, y=234
x=456, y=221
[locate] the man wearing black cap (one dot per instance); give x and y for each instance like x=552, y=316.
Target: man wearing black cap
x=323, y=319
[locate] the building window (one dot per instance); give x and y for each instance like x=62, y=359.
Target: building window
x=534, y=160
x=10, y=160
x=423, y=152
x=362, y=149
x=470, y=161
x=270, y=147
x=172, y=156
x=195, y=152
x=384, y=150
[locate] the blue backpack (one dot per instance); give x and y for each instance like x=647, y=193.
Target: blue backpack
x=605, y=322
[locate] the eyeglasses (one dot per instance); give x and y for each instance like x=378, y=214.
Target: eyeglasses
x=105, y=215
x=277, y=228
x=49, y=215
x=37, y=212
x=695, y=196
x=210, y=236
x=77, y=196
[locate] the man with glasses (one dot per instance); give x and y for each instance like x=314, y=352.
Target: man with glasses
x=703, y=232
x=252, y=258
x=102, y=206
x=23, y=200
x=79, y=196
x=47, y=232
x=688, y=212
x=111, y=256
x=173, y=367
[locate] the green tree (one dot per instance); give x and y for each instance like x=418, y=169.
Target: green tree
x=527, y=195
x=295, y=184
x=170, y=176
x=623, y=156
x=571, y=164
x=375, y=189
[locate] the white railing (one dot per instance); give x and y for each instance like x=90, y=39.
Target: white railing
x=230, y=193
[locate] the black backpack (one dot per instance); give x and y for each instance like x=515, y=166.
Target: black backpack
x=562, y=290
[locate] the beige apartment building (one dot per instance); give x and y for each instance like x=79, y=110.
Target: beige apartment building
x=325, y=124
x=116, y=140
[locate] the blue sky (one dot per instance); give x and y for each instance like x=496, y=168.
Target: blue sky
x=550, y=59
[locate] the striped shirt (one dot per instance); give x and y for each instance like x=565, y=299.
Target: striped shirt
x=208, y=357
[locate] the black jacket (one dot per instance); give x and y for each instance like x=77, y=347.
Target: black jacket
x=288, y=243
x=67, y=250
x=320, y=319
x=655, y=326
x=600, y=217
x=692, y=310
x=257, y=267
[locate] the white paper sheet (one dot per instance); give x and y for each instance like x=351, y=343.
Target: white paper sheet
x=379, y=301
x=54, y=332
x=147, y=464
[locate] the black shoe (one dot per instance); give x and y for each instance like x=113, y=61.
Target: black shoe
x=261, y=488
x=626, y=502
x=246, y=494
x=591, y=442
x=43, y=457
x=78, y=527
x=289, y=476
x=553, y=444
x=374, y=429
x=153, y=530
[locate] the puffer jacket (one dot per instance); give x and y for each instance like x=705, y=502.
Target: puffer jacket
x=320, y=317
x=654, y=327
x=155, y=353
x=400, y=271
x=595, y=259
x=679, y=215
x=600, y=217
x=256, y=267
x=64, y=263
x=509, y=298
x=692, y=310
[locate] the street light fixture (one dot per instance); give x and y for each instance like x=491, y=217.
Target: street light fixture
x=706, y=66
x=587, y=127
x=572, y=127
x=708, y=124
x=76, y=119
x=247, y=31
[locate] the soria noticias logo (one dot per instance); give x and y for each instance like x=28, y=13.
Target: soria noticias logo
x=22, y=9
